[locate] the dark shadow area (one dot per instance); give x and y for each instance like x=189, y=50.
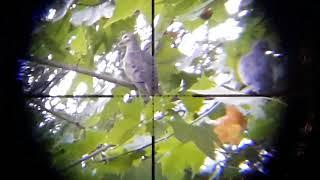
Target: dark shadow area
x=24, y=157
x=296, y=22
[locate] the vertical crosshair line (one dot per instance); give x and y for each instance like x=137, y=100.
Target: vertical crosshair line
x=153, y=92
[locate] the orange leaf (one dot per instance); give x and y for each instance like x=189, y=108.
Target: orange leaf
x=230, y=126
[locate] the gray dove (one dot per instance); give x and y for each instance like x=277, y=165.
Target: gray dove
x=264, y=74
x=139, y=66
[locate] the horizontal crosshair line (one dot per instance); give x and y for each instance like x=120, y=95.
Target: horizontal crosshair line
x=115, y=96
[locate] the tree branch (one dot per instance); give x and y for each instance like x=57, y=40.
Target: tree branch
x=84, y=71
x=94, y=153
x=98, y=151
x=111, y=158
x=60, y=116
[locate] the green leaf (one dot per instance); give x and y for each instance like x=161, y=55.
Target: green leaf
x=96, y=39
x=126, y=126
x=114, y=32
x=163, y=104
x=111, y=108
x=120, y=91
x=167, y=73
x=170, y=10
x=160, y=129
x=79, y=44
x=59, y=31
x=231, y=173
x=266, y=129
x=218, y=112
x=142, y=171
x=51, y=37
x=173, y=165
x=171, y=79
x=202, y=136
x=219, y=13
x=165, y=58
x=167, y=54
x=191, y=20
x=81, y=78
x=166, y=146
x=126, y=9
x=75, y=151
x=132, y=109
x=192, y=104
x=202, y=84
x=121, y=164
x=90, y=2
x=192, y=25
x=78, y=173
x=93, y=120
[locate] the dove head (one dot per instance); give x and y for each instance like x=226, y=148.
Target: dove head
x=127, y=39
x=260, y=46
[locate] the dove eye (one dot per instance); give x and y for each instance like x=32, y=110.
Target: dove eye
x=125, y=36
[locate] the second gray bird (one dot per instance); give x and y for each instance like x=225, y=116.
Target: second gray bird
x=265, y=74
x=139, y=66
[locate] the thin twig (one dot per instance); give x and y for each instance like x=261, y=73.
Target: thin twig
x=96, y=152
x=196, y=120
x=93, y=5
x=54, y=81
x=88, y=72
x=101, y=150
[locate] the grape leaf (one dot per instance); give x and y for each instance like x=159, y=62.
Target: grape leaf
x=202, y=84
x=202, y=136
x=192, y=104
x=126, y=126
x=173, y=165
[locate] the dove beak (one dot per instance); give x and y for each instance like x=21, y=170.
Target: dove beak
x=121, y=44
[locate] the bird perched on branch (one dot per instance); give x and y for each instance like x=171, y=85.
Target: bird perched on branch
x=263, y=72
x=139, y=66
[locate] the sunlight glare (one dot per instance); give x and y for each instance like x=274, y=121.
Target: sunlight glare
x=82, y=106
x=51, y=14
x=71, y=106
x=41, y=124
x=51, y=76
x=60, y=106
x=71, y=39
x=126, y=98
x=133, y=92
x=243, y=13
x=208, y=166
x=50, y=56
x=188, y=45
x=64, y=85
x=268, y=52
x=143, y=28
x=219, y=156
x=81, y=89
x=244, y=166
x=158, y=115
x=222, y=78
x=245, y=142
x=47, y=105
x=228, y=30
x=156, y=20
x=232, y=6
